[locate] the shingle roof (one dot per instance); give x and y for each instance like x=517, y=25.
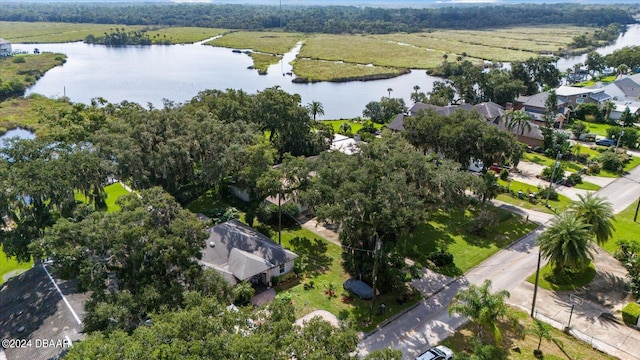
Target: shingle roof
x=489, y=110
x=397, y=124
x=3, y=41
x=600, y=96
x=629, y=87
x=233, y=245
x=442, y=110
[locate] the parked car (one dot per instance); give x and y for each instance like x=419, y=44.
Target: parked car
x=605, y=142
x=437, y=353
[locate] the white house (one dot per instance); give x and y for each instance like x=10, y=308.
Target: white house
x=5, y=47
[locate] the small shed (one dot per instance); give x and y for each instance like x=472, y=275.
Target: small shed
x=5, y=47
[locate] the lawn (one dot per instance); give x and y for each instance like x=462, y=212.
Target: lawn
x=546, y=280
x=626, y=228
x=571, y=166
x=587, y=186
x=113, y=192
x=556, y=206
x=355, y=126
x=596, y=128
x=448, y=231
x=563, y=347
x=9, y=265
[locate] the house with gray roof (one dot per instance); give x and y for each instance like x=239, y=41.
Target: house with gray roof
x=240, y=253
x=623, y=89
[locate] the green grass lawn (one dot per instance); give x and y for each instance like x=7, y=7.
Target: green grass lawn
x=596, y=128
x=8, y=265
x=587, y=186
x=448, y=231
x=544, y=160
x=626, y=228
x=559, y=205
x=355, y=126
x=113, y=192
x=546, y=280
x=564, y=347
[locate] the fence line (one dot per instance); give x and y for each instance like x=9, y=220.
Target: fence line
x=595, y=343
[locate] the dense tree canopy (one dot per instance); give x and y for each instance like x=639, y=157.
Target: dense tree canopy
x=324, y=19
x=38, y=179
x=206, y=329
x=463, y=136
x=134, y=262
x=384, y=191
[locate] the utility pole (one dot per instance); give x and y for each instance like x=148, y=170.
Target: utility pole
x=637, y=208
x=535, y=286
x=375, y=270
x=553, y=175
x=618, y=142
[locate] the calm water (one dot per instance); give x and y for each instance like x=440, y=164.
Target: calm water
x=147, y=75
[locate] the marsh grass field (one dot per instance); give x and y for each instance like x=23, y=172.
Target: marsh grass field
x=327, y=57
x=48, y=32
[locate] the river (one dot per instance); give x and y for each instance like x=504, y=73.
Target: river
x=149, y=74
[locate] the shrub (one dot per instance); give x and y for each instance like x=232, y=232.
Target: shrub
x=547, y=172
x=220, y=215
x=440, y=258
x=574, y=178
x=630, y=313
x=19, y=60
x=553, y=194
x=483, y=223
x=504, y=174
x=266, y=213
x=593, y=168
x=612, y=161
x=345, y=129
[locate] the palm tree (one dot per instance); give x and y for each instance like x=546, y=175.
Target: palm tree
x=389, y=90
x=517, y=119
x=608, y=107
x=567, y=243
x=243, y=292
x=598, y=214
x=541, y=331
x=315, y=108
x=623, y=69
x=481, y=306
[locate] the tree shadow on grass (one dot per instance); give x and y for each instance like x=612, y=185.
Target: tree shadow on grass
x=312, y=254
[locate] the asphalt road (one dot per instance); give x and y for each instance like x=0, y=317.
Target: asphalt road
x=429, y=323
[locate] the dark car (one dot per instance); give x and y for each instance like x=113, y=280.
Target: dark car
x=605, y=142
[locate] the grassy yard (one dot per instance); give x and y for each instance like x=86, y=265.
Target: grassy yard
x=626, y=228
x=564, y=346
x=448, y=231
x=355, y=126
x=11, y=265
x=587, y=186
x=596, y=128
x=113, y=192
x=556, y=206
x=546, y=280
x=571, y=166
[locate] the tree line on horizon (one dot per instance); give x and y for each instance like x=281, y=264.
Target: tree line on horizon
x=321, y=19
